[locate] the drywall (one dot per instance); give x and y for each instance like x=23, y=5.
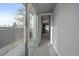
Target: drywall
x=66, y=21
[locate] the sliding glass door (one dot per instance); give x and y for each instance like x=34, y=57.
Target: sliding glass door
x=31, y=16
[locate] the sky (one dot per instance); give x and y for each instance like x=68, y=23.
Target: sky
x=7, y=13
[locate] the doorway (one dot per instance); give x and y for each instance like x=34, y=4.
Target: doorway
x=31, y=16
x=46, y=24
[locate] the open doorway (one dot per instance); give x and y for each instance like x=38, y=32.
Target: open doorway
x=45, y=29
x=45, y=21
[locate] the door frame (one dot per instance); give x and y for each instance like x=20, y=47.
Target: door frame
x=50, y=27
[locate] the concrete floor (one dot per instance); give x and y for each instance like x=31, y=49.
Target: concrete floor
x=44, y=48
x=18, y=51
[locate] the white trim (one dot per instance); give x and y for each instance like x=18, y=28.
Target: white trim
x=51, y=35
x=51, y=30
x=56, y=50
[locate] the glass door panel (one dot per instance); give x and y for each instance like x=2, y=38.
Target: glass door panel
x=31, y=27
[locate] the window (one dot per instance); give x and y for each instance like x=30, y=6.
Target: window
x=11, y=26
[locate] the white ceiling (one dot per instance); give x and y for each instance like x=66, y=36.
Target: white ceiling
x=45, y=7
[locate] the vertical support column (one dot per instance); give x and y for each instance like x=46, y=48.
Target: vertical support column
x=40, y=28
x=26, y=32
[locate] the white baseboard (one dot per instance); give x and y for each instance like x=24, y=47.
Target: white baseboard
x=56, y=50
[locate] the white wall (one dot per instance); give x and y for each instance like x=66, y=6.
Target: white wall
x=66, y=21
x=39, y=28
x=36, y=31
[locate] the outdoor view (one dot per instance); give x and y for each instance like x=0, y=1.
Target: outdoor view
x=12, y=17
x=11, y=14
